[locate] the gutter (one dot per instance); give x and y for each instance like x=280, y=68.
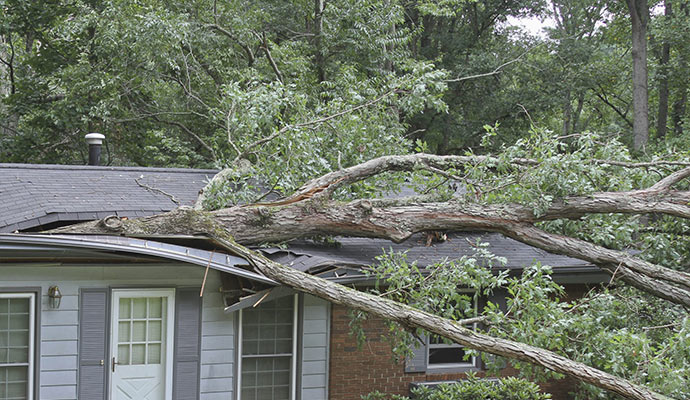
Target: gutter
x=220, y=262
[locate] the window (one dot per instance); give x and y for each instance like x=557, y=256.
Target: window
x=16, y=345
x=445, y=356
x=141, y=330
x=435, y=355
x=267, y=348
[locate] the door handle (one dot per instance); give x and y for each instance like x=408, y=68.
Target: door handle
x=113, y=364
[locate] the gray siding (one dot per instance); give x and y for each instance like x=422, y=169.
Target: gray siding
x=314, y=349
x=59, y=328
x=217, y=344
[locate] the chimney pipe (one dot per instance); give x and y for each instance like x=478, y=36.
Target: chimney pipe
x=94, y=140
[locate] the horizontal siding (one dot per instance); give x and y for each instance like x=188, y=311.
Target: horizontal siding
x=59, y=328
x=217, y=345
x=59, y=344
x=315, y=326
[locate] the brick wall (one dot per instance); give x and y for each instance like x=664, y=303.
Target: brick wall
x=357, y=371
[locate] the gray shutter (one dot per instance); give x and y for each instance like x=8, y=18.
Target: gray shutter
x=418, y=361
x=187, y=344
x=93, y=343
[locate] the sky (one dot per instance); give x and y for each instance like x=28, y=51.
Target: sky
x=533, y=25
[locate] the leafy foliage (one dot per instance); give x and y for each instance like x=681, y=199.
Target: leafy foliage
x=473, y=389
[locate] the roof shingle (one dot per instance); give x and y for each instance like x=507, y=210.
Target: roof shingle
x=33, y=195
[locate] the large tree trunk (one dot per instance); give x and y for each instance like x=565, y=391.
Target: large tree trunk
x=680, y=104
x=318, y=39
x=453, y=330
x=662, y=115
x=639, y=16
x=310, y=212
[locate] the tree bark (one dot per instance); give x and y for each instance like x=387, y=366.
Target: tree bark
x=639, y=16
x=311, y=212
x=318, y=38
x=662, y=115
x=680, y=104
x=453, y=330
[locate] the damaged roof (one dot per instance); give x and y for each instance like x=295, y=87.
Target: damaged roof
x=344, y=258
x=87, y=248
x=36, y=196
x=39, y=195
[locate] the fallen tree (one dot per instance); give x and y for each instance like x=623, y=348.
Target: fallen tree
x=311, y=211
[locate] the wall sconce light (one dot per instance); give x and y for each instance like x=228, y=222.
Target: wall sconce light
x=55, y=297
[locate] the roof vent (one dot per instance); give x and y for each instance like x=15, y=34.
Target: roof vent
x=95, y=140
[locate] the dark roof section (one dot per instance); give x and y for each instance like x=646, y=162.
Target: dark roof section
x=36, y=195
x=74, y=247
x=353, y=253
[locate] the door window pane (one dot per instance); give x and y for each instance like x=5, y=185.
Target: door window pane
x=141, y=326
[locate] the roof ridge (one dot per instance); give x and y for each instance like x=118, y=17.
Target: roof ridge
x=105, y=168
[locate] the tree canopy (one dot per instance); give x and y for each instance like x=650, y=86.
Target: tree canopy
x=332, y=104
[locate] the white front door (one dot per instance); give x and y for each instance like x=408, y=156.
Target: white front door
x=142, y=344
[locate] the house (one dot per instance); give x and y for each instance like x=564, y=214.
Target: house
x=180, y=317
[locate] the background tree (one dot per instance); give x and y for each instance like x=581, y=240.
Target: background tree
x=639, y=19
x=282, y=92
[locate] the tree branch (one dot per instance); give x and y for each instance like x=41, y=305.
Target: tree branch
x=331, y=181
x=220, y=29
x=317, y=121
x=671, y=180
x=190, y=133
x=455, y=331
x=271, y=61
x=496, y=70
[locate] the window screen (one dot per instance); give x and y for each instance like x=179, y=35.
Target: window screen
x=267, y=346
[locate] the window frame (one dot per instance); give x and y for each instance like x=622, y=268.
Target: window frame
x=293, y=356
x=469, y=365
x=472, y=364
x=33, y=337
x=419, y=361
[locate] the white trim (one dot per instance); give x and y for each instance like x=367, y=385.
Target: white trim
x=293, y=380
x=32, y=338
x=239, y=355
x=293, y=356
x=169, y=293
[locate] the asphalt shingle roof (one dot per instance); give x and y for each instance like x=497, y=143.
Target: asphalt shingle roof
x=34, y=195
x=310, y=257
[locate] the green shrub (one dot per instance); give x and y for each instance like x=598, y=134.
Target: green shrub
x=472, y=389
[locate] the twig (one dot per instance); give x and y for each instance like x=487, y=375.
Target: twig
x=250, y=53
x=227, y=127
x=274, y=66
x=190, y=133
x=153, y=189
x=313, y=122
x=203, y=283
x=531, y=121
x=613, y=276
x=496, y=70
x=649, y=328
